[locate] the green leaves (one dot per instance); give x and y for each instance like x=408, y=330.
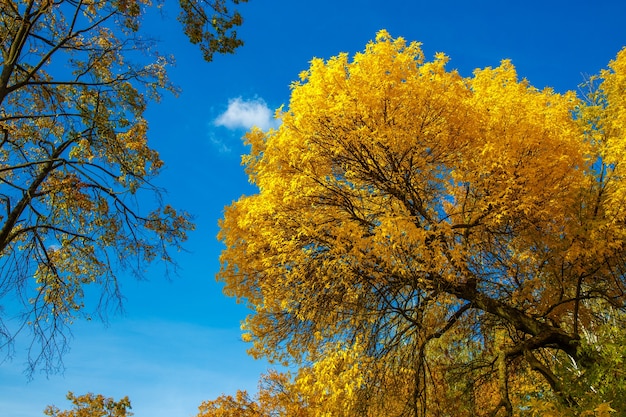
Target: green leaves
x=211, y=25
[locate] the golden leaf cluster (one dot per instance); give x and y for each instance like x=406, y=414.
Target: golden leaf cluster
x=456, y=237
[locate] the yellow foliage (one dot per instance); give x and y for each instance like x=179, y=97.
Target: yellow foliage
x=451, y=225
x=227, y=406
x=330, y=386
x=75, y=157
x=92, y=405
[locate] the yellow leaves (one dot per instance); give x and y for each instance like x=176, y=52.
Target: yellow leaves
x=67, y=193
x=520, y=132
x=75, y=158
x=603, y=410
x=105, y=55
x=62, y=277
x=330, y=385
x=134, y=139
x=92, y=405
x=613, y=122
x=228, y=406
x=543, y=408
x=82, y=151
x=440, y=221
x=604, y=120
x=353, y=135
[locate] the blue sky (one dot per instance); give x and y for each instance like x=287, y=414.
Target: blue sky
x=178, y=342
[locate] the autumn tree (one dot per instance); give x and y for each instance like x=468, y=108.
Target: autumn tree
x=75, y=79
x=92, y=405
x=467, y=233
x=330, y=386
x=277, y=396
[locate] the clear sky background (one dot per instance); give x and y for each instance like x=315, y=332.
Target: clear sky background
x=178, y=342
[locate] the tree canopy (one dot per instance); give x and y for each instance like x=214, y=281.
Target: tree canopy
x=75, y=79
x=92, y=405
x=457, y=242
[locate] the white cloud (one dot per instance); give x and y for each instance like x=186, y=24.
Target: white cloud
x=219, y=144
x=245, y=114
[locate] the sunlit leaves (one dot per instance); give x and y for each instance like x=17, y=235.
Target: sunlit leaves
x=77, y=200
x=92, y=405
x=227, y=406
x=466, y=231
